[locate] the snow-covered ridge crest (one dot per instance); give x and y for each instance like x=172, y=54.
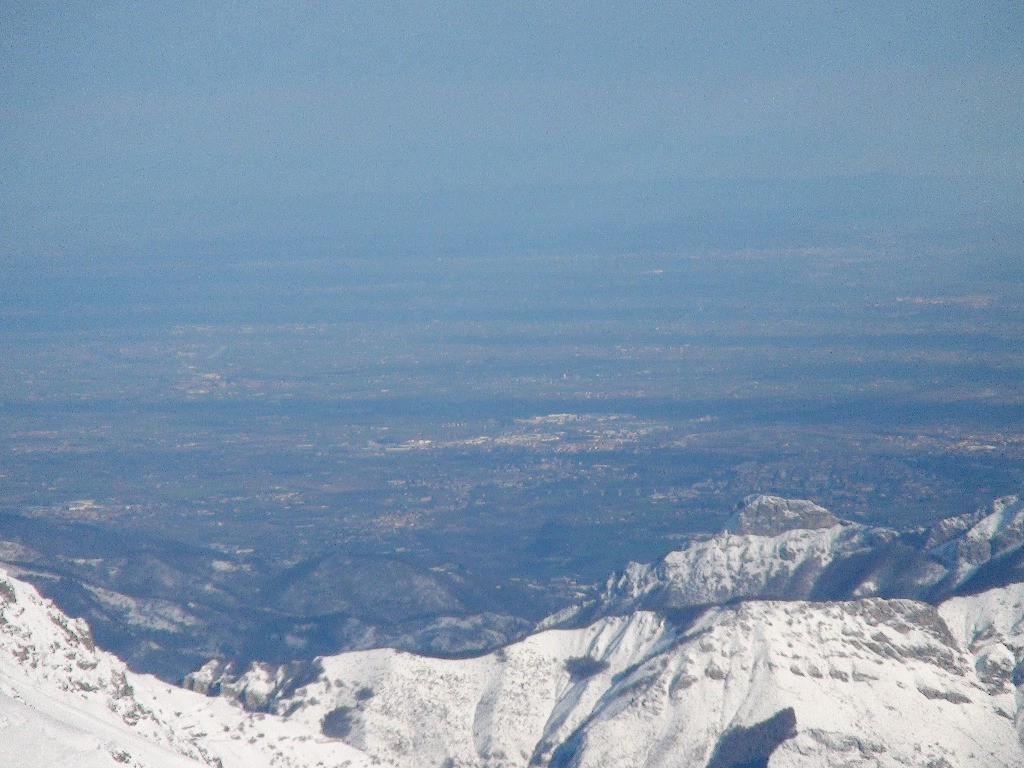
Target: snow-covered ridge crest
x=730, y=567
x=795, y=550
x=508, y=708
x=989, y=536
x=874, y=681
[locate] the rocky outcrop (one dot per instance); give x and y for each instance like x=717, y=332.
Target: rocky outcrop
x=772, y=515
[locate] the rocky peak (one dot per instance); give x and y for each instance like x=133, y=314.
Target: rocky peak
x=764, y=515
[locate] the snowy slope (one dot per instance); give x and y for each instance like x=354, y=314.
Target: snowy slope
x=795, y=550
x=995, y=539
x=494, y=710
x=871, y=682
x=866, y=682
x=991, y=626
x=63, y=702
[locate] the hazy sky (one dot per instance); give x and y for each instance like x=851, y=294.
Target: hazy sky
x=129, y=126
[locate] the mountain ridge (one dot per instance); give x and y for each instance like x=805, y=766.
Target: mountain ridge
x=781, y=682
x=788, y=549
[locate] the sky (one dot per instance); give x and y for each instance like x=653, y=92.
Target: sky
x=392, y=129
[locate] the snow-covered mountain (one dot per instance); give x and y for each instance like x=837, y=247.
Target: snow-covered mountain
x=795, y=550
x=866, y=682
x=871, y=680
x=63, y=702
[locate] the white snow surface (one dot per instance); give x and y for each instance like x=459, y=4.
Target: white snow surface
x=63, y=702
